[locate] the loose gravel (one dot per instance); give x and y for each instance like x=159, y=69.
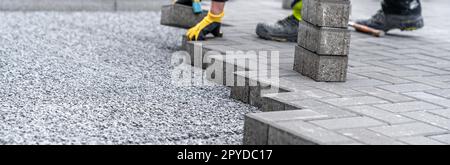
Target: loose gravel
x=103, y=78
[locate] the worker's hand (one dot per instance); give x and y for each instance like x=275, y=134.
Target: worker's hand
x=210, y=24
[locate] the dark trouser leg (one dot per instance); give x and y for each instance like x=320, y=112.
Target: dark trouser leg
x=402, y=7
x=185, y=2
x=189, y=2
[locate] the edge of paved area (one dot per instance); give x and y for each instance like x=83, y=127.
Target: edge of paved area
x=82, y=5
x=308, y=122
x=280, y=123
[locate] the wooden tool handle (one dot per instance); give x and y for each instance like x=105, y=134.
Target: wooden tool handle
x=366, y=29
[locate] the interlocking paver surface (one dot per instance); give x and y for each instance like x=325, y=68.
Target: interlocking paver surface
x=399, y=81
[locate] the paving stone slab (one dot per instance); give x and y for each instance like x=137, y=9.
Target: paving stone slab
x=256, y=127
x=353, y=101
x=216, y=69
x=298, y=132
x=304, y=114
x=254, y=90
x=334, y=112
x=241, y=93
x=408, y=106
x=369, y=137
x=442, y=112
x=442, y=138
x=429, y=68
x=408, y=73
x=410, y=87
x=408, y=129
x=441, y=92
x=180, y=16
x=328, y=13
x=273, y=104
x=345, y=123
x=255, y=98
x=420, y=140
x=362, y=82
x=431, y=82
x=365, y=69
x=307, y=103
x=441, y=101
x=199, y=51
x=430, y=119
x=195, y=50
x=338, y=89
x=324, y=40
x=320, y=68
x=390, y=96
x=282, y=137
x=382, y=115
x=290, y=101
x=255, y=131
x=303, y=94
x=383, y=77
x=222, y=70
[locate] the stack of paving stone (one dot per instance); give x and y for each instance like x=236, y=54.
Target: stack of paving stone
x=180, y=16
x=324, y=40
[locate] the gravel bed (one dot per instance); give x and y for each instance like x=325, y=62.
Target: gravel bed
x=103, y=78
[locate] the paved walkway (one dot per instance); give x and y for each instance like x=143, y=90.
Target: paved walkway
x=397, y=91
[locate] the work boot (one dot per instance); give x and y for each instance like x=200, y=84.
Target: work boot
x=285, y=30
x=386, y=22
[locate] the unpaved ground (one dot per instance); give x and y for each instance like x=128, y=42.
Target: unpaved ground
x=103, y=78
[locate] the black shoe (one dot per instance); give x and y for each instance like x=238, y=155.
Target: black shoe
x=386, y=22
x=285, y=30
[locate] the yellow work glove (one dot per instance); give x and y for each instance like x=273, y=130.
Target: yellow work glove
x=210, y=24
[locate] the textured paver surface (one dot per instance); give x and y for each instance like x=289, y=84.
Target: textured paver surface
x=396, y=91
x=103, y=78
